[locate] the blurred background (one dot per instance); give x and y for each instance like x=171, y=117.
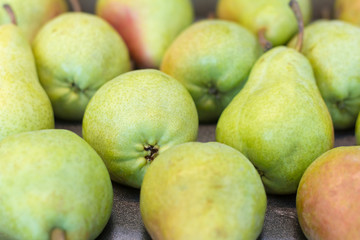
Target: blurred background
x=204, y=7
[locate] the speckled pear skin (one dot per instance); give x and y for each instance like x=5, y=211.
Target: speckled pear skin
x=212, y=59
x=32, y=15
x=274, y=15
x=333, y=49
x=278, y=120
x=76, y=53
x=148, y=27
x=52, y=179
x=328, y=197
x=348, y=11
x=134, y=112
x=24, y=105
x=202, y=191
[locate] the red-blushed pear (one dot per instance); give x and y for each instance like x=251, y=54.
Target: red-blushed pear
x=24, y=105
x=32, y=15
x=328, y=196
x=148, y=27
x=76, y=53
x=212, y=59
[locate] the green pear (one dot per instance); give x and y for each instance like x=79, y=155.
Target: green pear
x=32, y=15
x=328, y=197
x=148, y=27
x=76, y=53
x=202, y=191
x=357, y=130
x=53, y=185
x=278, y=120
x=134, y=118
x=272, y=16
x=24, y=105
x=212, y=59
x=333, y=49
x=348, y=10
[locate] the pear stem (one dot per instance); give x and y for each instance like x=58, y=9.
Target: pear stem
x=10, y=13
x=265, y=44
x=299, y=17
x=58, y=234
x=75, y=5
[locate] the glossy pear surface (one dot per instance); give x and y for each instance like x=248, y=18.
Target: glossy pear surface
x=52, y=179
x=76, y=53
x=148, y=27
x=202, y=191
x=212, y=59
x=328, y=197
x=31, y=15
x=275, y=16
x=278, y=120
x=134, y=118
x=24, y=105
x=333, y=49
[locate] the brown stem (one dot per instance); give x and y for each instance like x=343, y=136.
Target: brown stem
x=75, y=5
x=58, y=234
x=11, y=13
x=299, y=18
x=265, y=44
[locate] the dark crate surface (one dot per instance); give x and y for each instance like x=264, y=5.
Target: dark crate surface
x=125, y=221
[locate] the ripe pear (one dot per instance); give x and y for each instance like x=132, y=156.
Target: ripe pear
x=202, y=191
x=272, y=16
x=333, y=49
x=348, y=10
x=200, y=59
x=32, y=15
x=278, y=120
x=53, y=186
x=148, y=27
x=24, y=105
x=134, y=118
x=76, y=53
x=328, y=197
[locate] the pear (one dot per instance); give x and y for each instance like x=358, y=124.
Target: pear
x=32, y=15
x=278, y=120
x=148, y=27
x=52, y=184
x=212, y=59
x=328, y=197
x=75, y=54
x=134, y=118
x=202, y=191
x=348, y=10
x=273, y=18
x=357, y=130
x=24, y=105
x=333, y=49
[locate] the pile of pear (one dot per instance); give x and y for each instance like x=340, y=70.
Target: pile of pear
x=141, y=77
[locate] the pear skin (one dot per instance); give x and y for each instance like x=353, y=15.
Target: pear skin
x=328, y=197
x=278, y=120
x=52, y=180
x=24, y=105
x=212, y=59
x=275, y=16
x=76, y=53
x=333, y=49
x=32, y=15
x=204, y=191
x=348, y=11
x=148, y=27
